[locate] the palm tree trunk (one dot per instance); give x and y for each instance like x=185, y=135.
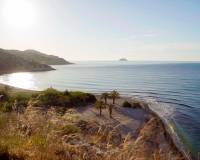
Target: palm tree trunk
x=113, y=100
x=100, y=111
x=110, y=111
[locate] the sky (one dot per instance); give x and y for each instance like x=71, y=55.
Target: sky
x=156, y=30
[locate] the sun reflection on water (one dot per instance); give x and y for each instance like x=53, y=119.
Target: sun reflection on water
x=21, y=80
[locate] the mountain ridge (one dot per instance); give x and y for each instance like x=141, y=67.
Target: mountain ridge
x=10, y=63
x=27, y=61
x=39, y=57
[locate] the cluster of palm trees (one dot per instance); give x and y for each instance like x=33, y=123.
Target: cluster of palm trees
x=103, y=102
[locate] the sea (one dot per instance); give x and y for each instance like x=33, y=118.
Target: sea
x=172, y=89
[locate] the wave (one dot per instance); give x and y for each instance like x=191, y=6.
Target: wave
x=174, y=103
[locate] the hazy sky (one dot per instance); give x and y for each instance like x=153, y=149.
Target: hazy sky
x=103, y=29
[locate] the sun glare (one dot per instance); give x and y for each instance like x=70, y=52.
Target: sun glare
x=21, y=80
x=19, y=13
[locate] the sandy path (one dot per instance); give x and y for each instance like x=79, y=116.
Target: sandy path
x=127, y=120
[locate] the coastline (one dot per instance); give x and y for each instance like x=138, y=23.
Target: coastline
x=171, y=138
x=31, y=70
x=13, y=90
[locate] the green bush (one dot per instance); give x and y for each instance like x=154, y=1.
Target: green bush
x=133, y=104
x=35, y=95
x=136, y=105
x=6, y=107
x=81, y=98
x=4, y=96
x=91, y=98
x=8, y=101
x=21, y=99
x=66, y=93
x=52, y=97
x=127, y=104
x=47, y=98
x=5, y=104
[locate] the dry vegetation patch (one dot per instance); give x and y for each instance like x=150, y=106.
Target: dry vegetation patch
x=48, y=128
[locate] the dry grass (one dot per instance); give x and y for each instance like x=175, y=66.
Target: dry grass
x=49, y=135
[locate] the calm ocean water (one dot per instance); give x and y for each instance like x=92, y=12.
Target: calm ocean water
x=173, y=89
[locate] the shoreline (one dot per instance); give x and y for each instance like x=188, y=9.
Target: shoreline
x=13, y=90
x=172, y=138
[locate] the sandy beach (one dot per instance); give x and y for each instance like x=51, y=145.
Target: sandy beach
x=13, y=90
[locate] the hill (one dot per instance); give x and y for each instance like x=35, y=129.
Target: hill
x=12, y=63
x=44, y=125
x=39, y=57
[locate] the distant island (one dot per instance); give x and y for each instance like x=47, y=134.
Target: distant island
x=123, y=59
x=28, y=60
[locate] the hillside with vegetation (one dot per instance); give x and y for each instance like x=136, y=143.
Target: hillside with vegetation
x=10, y=63
x=36, y=56
x=70, y=125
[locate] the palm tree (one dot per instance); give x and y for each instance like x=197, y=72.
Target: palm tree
x=99, y=105
x=114, y=95
x=110, y=108
x=105, y=96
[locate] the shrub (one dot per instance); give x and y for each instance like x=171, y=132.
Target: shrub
x=127, y=104
x=35, y=95
x=134, y=104
x=6, y=107
x=8, y=101
x=4, y=96
x=21, y=99
x=52, y=97
x=66, y=93
x=81, y=98
x=91, y=98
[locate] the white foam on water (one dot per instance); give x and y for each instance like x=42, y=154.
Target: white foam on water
x=165, y=112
